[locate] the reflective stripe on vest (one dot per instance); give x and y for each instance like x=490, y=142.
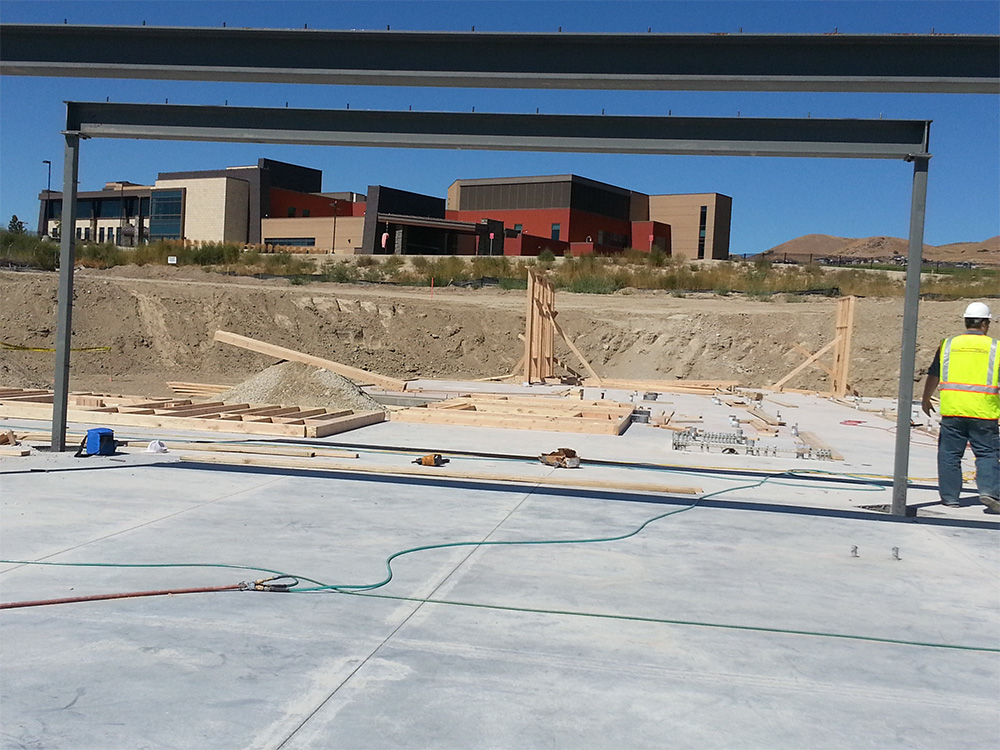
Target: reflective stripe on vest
x=967, y=388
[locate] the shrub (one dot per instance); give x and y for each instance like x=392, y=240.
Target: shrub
x=339, y=272
x=102, y=255
x=657, y=258
x=546, y=256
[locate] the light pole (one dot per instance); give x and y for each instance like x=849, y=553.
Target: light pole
x=333, y=243
x=48, y=194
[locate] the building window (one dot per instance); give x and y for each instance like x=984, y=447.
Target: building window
x=86, y=234
x=305, y=212
x=166, y=219
x=555, y=231
x=518, y=227
x=111, y=235
x=702, y=223
x=291, y=211
x=100, y=235
x=291, y=241
x=79, y=233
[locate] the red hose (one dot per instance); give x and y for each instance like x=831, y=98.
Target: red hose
x=126, y=595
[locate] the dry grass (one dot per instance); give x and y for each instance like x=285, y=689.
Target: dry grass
x=586, y=274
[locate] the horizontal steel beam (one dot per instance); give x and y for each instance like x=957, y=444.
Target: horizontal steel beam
x=702, y=62
x=866, y=139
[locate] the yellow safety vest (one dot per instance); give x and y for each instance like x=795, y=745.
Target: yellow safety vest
x=970, y=368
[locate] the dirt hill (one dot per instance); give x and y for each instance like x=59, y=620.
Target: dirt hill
x=815, y=246
x=158, y=322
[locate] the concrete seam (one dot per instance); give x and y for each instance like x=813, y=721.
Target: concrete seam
x=403, y=622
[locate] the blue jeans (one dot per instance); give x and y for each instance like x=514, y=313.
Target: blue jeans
x=984, y=437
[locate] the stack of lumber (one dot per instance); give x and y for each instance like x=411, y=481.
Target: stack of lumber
x=524, y=413
x=197, y=390
x=183, y=414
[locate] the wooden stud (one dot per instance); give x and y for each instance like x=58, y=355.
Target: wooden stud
x=842, y=354
x=778, y=386
x=280, y=352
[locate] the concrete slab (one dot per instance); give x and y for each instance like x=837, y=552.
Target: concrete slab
x=777, y=612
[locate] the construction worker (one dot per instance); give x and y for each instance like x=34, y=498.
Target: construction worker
x=966, y=368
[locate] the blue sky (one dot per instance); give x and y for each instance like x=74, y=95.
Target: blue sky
x=774, y=200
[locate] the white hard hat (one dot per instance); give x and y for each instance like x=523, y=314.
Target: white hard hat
x=977, y=310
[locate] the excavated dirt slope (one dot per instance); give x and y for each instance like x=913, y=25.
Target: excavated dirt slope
x=158, y=324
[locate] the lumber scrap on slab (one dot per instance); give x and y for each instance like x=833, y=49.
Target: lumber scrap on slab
x=813, y=441
x=665, y=386
x=353, y=373
x=197, y=389
x=608, y=423
x=765, y=417
x=14, y=450
x=268, y=450
x=318, y=429
x=572, y=478
x=779, y=402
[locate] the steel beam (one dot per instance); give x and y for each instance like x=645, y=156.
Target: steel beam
x=910, y=63
x=867, y=139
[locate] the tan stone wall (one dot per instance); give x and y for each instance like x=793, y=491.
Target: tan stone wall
x=454, y=192
x=349, y=231
x=209, y=215
x=683, y=214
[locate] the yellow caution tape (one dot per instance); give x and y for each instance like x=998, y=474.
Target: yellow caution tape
x=16, y=347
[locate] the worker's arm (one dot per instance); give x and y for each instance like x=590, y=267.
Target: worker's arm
x=933, y=381
x=929, y=387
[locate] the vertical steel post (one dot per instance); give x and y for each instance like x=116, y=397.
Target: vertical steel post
x=908, y=349
x=67, y=259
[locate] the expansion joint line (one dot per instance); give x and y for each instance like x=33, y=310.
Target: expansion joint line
x=420, y=603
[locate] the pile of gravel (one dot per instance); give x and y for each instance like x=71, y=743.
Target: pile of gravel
x=296, y=384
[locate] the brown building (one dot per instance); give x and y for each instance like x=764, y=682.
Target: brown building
x=699, y=223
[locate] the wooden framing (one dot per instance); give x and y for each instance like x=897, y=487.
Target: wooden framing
x=362, y=377
x=841, y=346
x=555, y=415
x=842, y=352
x=540, y=329
x=173, y=414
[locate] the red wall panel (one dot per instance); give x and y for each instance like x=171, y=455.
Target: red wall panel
x=318, y=205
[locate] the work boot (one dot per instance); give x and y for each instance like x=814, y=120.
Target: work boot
x=991, y=503
x=950, y=502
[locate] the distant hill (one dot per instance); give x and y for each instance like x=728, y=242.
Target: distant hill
x=816, y=246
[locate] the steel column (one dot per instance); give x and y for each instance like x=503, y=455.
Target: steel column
x=67, y=259
x=908, y=348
